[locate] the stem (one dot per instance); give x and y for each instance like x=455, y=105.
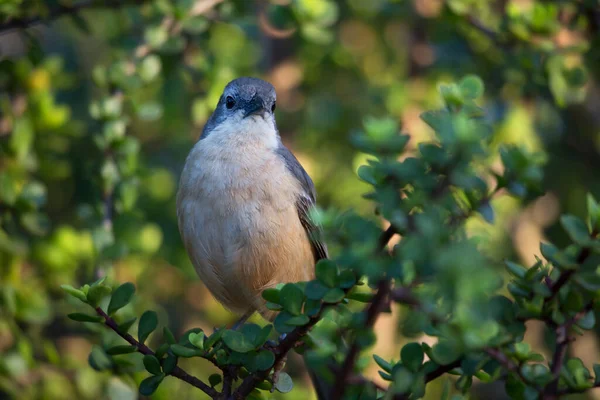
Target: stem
x=142, y=348
x=439, y=371
x=375, y=308
x=566, y=275
x=558, y=358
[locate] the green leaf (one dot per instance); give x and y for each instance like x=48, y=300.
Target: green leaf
x=334, y=295
x=576, y=229
x=360, y=297
x=327, y=272
x=152, y=364
x=262, y=337
x=403, y=378
x=559, y=259
x=593, y=212
x=588, y=321
x=291, y=297
x=596, y=374
x=346, y=279
x=169, y=364
x=185, y=352
x=515, y=269
x=385, y=365
x=284, y=384
x=149, y=68
x=148, y=323
x=84, y=317
x=236, y=341
x=124, y=349
x=471, y=87
x=97, y=293
x=312, y=307
x=168, y=336
x=125, y=326
x=412, y=356
x=162, y=350
x=271, y=295
x=315, y=290
x=298, y=320
x=78, y=294
x=367, y=174
x=197, y=339
x=214, y=379
x=385, y=376
x=149, y=385
x=264, y=360
x=445, y=352
x=99, y=360
x=121, y=297
x=212, y=339
x=273, y=306
x=280, y=322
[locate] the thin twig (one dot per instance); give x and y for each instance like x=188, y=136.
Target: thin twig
x=504, y=360
x=566, y=275
x=227, y=382
x=375, y=308
x=142, y=348
x=562, y=341
x=436, y=373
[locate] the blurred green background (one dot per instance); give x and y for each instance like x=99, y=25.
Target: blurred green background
x=100, y=106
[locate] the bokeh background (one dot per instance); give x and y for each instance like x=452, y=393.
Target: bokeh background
x=101, y=102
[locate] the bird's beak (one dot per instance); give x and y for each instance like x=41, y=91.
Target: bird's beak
x=256, y=106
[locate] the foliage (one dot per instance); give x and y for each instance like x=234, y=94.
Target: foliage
x=93, y=131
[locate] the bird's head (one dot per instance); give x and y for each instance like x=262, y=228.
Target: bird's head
x=246, y=105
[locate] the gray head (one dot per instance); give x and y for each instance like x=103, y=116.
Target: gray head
x=244, y=100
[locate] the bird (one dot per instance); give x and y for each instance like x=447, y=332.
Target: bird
x=244, y=203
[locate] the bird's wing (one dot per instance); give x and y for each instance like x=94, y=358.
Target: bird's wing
x=305, y=202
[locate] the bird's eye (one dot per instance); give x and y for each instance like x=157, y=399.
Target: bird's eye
x=273, y=107
x=229, y=102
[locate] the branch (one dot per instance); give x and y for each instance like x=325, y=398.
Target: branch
x=566, y=275
x=436, y=373
x=375, y=308
x=142, y=348
x=562, y=341
x=289, y=342
x=228, y=374
x=504, y=360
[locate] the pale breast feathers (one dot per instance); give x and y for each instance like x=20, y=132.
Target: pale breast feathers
x=243, y=216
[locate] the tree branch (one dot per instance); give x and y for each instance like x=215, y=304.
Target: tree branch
x=436, y=373
x=562, y=341
x=375, y=308
x=566, y=275
x=142, y=348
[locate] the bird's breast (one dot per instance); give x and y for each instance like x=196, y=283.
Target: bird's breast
x=238, y=219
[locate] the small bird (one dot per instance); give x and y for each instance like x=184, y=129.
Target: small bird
x=244, y=201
